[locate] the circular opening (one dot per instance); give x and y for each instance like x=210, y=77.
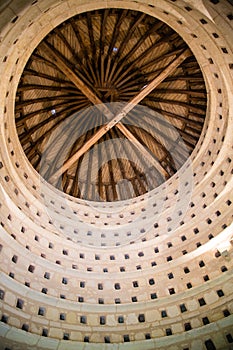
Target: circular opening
x=110, y=105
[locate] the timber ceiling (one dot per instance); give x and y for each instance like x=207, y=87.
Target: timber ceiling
x=154, y=105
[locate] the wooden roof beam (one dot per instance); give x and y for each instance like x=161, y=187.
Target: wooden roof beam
x=25, y=117
x=27, y=87
x=115, y=119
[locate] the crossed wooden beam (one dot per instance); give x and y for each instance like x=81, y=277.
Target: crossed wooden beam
x=112, y=119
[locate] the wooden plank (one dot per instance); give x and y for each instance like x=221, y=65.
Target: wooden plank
x=27, y=87
x=158, y=80
x=155, y=61
x=80, y=124
x=91, y=36
x=80, y=42
x=153, y=29
x=194, y=93
x=193, y=122
x=131, y=154
x=25, y=117
x=116, y=32
x=119, y=74
x=197, y=108
x=133, y=27
x=66, y=112
x=24, y=103
x=110, y=169
x=122, y=15
x=192, y=78
x=70, y=73
x=35, y=73
x=161, y=134
x=142, y=149
x=82, y=67
x=117, y=134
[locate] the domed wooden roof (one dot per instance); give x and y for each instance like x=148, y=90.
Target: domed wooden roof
x=123, y=95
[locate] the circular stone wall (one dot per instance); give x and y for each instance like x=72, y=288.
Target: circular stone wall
x=151, y=272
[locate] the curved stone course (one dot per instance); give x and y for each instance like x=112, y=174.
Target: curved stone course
x=152, y=272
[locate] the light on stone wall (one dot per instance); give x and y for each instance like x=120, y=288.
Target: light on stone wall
x=224, y=249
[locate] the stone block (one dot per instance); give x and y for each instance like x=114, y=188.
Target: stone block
x=3, y=329
x=47, y=343
x=22, y=337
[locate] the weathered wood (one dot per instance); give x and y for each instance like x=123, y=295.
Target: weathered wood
x=44, y=110
x=176, y=116
x=166, y=151
x=25, y=103
x=154, y=61
x=161, y=133
x=136, y=63
x=27, y=87
x=131, y=81
x=133, y=27
x=197, y=108
x=142, y=149
x=194, y=78
x=153, y=28
x=36, y=57
x=35, y=73
x=65, y=111
x=74, y=189
x=122, y=15
x=93, y=47
x=150, y=137
x=81, y=124
x=159, y=79
x=84, y=49
x=75, y=56
x=116, y=33
x=23, y=137
x=110, y=168
x=132, y=103
x=88, y=134
x=196, y=93
x=118, y=133
x=62, y=65
x=36, y=162
x=65, y=182
x=190, y=137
